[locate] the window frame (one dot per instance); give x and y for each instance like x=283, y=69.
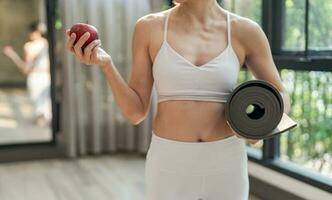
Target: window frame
x=308, y=60
x=273, y=24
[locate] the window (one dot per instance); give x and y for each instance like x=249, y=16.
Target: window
x=310, y=144
x=301, y=48
x=294, y=33
x=246, y=8
x=319, y=25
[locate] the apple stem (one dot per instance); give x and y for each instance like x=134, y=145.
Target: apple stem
x=87, y=21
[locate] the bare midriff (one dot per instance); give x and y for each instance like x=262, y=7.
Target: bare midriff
x=191, y=121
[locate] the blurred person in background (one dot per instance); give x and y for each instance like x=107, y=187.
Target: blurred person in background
x=36, y=67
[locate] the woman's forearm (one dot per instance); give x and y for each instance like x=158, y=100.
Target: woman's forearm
x=286, y=101
x=20, y=63
x=126, y=98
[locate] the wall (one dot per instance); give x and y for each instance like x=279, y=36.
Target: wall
x=297, y=189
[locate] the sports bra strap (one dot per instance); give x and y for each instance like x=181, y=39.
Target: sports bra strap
x=166, y=26
x=228, y=29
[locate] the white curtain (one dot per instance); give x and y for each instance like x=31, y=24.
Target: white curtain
x=91, y=120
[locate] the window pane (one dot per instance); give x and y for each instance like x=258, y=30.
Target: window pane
x=246, y=8
x=310, y=143
x=294, y=36
x=320, y=25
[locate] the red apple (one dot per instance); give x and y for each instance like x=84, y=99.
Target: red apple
x=80, y=28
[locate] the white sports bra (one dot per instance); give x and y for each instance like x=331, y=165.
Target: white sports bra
x=178, y=79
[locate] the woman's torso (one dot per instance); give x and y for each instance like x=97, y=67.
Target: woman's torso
x=187, y=120
x=41, y=61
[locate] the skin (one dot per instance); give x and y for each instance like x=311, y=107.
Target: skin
x=188, y=121
x=25, y=65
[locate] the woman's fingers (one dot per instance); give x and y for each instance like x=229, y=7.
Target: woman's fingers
x=251, y=141
x=88, y=50
x=94, y=51
x=79, y=44
x=68, y=32
x=70, y=43
x=88, y=55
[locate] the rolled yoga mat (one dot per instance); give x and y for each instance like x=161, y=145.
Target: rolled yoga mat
x=267, y=117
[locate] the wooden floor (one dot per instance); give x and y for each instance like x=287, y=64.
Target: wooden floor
x=16, y=119
x=112, y=177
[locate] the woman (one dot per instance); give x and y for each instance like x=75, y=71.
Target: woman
x=36, y=67
x=193, y=52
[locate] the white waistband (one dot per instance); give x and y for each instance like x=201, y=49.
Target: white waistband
x=196, y=157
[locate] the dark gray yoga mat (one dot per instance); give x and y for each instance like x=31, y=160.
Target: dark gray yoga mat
x=266, y=118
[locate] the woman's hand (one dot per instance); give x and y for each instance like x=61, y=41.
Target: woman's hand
x=251, y=141
x=92, y=54
x=21, y=64
x=8, y=51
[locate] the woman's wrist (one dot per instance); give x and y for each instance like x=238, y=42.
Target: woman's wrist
x=107, y=63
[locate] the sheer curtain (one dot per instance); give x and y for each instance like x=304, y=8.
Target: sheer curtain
x=91, y=120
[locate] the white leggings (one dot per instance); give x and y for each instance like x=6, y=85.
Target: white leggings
x=39, y=86
x=215, y=170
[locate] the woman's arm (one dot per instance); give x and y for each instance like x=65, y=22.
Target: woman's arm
x=258, y=57
x=260, y=62
x=133, y=98
x=22, y=65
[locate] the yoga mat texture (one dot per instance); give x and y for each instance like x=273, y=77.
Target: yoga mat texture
x=266, y=117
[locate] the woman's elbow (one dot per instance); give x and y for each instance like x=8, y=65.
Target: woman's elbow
x=135, y=121
x=137, y=115
x=137, y=118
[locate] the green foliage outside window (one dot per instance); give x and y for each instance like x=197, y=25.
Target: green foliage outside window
x=320, y=25
x=310, y=144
